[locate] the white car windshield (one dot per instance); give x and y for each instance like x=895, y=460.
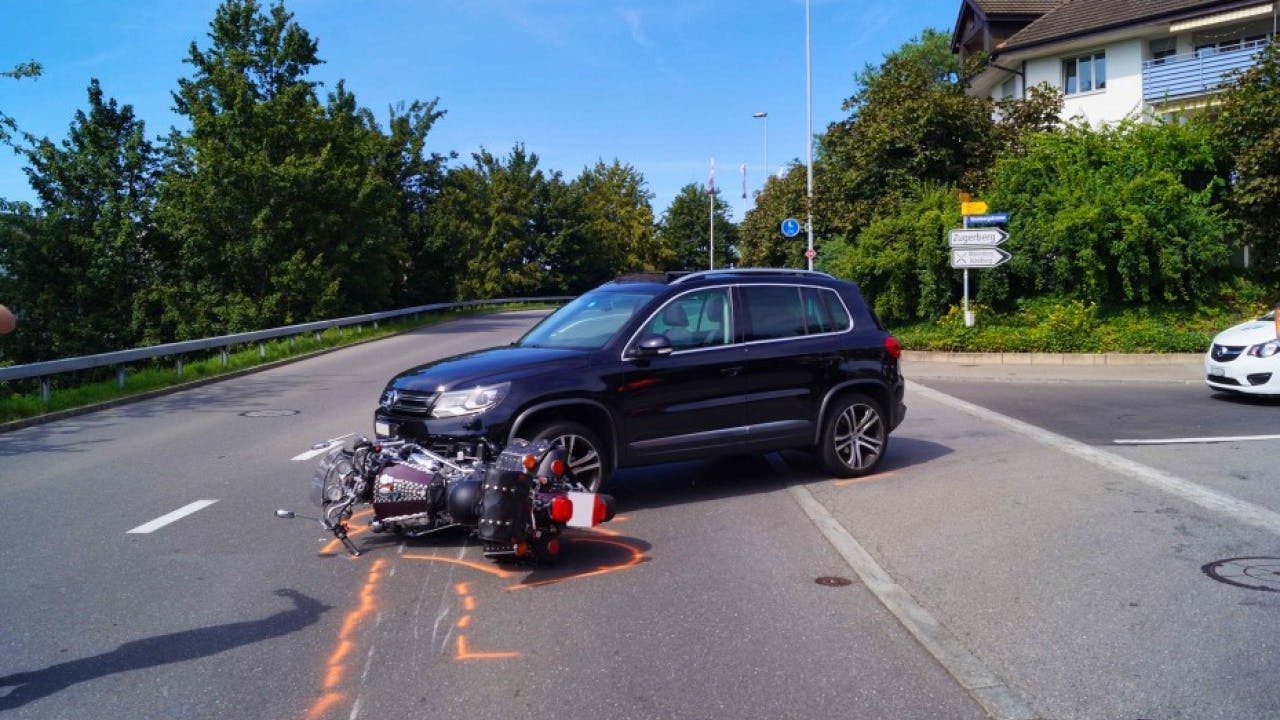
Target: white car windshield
x=590, y=320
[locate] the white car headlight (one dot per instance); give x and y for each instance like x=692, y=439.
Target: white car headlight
x=470, y=401
x=1265, y=350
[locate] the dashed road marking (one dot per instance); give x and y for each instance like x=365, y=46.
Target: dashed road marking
x=174, y=516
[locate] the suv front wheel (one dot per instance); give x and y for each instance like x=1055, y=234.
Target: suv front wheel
x=854, y=436
x=587, y=458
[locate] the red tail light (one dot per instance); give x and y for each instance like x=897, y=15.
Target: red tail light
x=600, y=512
x=557, y=467
x=893, y=346
x=561, y=509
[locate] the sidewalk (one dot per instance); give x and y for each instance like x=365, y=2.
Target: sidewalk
x=1185, y=368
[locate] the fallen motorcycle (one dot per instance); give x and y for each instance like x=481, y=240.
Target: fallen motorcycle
x=517, y=501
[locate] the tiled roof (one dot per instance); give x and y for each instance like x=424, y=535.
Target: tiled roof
x=1073, y=18
x=1015, y=7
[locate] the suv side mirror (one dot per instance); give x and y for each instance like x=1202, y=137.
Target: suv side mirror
x=652, y=345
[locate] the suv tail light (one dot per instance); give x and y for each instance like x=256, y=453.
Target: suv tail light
x=893, y=346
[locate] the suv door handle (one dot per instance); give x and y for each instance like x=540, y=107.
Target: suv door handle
x=731, y=371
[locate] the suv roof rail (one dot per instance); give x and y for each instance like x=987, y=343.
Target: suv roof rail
x=750, y=271
x=660, y=276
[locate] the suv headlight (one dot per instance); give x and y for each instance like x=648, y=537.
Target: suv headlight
x=1265, y=350
x=469, y=402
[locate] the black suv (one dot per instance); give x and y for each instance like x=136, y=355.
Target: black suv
x=664, y=367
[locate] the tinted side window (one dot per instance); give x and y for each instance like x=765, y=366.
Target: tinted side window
x=702, y=318
x=823, y=311
x=773, y=311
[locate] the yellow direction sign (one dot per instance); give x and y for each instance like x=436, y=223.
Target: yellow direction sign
x=973, y=207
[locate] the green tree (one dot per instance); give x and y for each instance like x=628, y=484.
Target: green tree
x=429, y=263
x=910, y=122
x=30, y=69
x=1121, y=215
x=686, y=227
x=73, y=265
x=497, y=214
x=761, y=242
x=610, y=228
x=901, y=261
x=1247, y=130
x=275, y=211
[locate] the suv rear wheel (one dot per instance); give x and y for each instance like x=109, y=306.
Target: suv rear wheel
x=587, y=458
x=854, y=437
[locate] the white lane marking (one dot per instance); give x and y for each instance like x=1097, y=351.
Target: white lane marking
x=999, y=700
x=174, y=516
x=1190, y=441
x=1245, y=512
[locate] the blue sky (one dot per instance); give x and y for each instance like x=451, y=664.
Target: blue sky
x=664, y=85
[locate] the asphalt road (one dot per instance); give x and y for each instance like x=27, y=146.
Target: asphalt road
x=1073, y=580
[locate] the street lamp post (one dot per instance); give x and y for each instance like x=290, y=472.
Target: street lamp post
x=764, y=179
x=808, y=138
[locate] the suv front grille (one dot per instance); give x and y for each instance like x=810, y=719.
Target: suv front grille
x=1225, y=353
x=409, y=402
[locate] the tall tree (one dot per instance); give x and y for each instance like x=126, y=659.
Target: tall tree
x=73, y=266
x=30, y=69
x=430, y=262
x=496, y=213
x=762, y=243
x=686, y=227
x=1248, y=135
x=609, y=227
x=910, y=121
x=275, y=210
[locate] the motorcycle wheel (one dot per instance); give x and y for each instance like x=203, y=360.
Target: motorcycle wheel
x=854, y=437
x=588, y=460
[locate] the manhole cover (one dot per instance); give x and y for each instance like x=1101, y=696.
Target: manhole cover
x=831, y=581
x=268, y=413
x=1253, y=573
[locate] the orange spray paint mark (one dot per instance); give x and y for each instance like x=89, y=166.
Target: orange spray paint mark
x=464, y=622
x=332, y=547
x=336, y=665
x=868, y=478
x=466, y=653
x=636, y=558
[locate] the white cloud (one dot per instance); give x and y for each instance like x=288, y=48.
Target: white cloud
x=632, y=19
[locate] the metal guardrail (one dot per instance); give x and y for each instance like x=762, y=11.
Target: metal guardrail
x=47, y=369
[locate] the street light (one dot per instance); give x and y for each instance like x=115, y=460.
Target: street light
x=808, y=99
x=762, y=115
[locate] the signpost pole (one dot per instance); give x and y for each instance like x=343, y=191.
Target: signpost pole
x=968, y=316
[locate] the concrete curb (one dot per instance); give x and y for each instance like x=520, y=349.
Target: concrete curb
x=1073, y=359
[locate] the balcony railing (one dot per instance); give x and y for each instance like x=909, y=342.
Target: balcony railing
x=1200, y=73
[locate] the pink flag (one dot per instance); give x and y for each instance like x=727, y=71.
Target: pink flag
x=711, y=178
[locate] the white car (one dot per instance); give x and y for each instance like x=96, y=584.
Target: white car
x=1246, y=358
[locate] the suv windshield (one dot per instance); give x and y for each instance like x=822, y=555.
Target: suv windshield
x=589, y=321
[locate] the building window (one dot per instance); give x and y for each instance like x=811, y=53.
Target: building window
x=1009, y=89
x=1084, y=74
x=1163, y=48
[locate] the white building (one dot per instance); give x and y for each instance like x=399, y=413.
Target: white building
x=1113, y=58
